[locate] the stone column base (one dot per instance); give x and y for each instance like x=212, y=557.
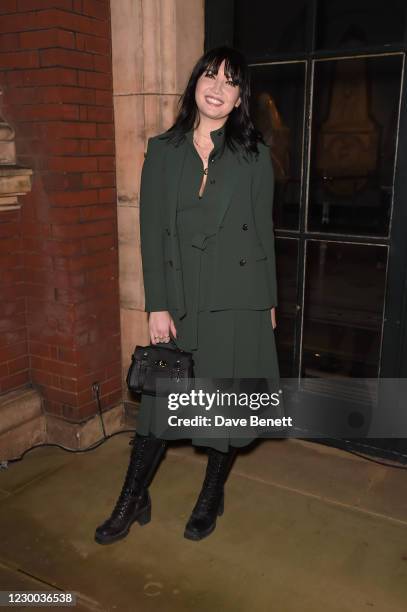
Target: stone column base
x=23, y=424
x=82, y=435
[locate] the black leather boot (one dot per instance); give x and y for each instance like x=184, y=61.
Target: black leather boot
x=210, y=502
x=134, y=503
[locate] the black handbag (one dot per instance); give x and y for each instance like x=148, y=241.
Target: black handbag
x=163, y=362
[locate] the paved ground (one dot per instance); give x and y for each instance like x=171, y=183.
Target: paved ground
x=306, y=528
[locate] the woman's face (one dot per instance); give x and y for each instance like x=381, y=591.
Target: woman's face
x=215, y=94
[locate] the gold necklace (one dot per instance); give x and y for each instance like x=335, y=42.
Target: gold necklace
x=200, y=146
x=196, y=142
x=205, y=157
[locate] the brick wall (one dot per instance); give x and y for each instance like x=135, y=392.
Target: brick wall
x=13, y=331
x=55, y=57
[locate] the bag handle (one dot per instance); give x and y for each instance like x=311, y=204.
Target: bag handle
x=168, y=344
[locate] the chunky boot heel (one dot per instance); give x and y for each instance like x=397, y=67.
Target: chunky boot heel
x=144, y=517
x=134, y=503
x=210, y=503
x=221, y=505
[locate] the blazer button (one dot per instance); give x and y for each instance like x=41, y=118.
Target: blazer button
x=168, y=231
x=242, y=262
x=170, y=262
x=245, y=226
x=212, y=181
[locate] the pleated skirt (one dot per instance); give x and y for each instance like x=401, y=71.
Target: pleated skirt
x=235, y=344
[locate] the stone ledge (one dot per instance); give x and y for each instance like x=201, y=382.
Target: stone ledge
x=22, y=422
x=15, y=181
x=82, y=435
x=19, y=406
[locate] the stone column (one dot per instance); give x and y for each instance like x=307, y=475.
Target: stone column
x=155, y=45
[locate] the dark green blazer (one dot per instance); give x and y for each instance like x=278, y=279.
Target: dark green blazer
x=244, y=274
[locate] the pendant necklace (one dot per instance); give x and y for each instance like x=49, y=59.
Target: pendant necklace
x=205, y=171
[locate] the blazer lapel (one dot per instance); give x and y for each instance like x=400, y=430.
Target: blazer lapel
x=176, y=163
x=226, y=184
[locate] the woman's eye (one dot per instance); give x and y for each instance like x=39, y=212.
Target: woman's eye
x=211, y=75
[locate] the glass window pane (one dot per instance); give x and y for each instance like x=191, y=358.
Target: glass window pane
x=286, y=312
x=277, y=109
x=359, y=23
x=263, y=28
x=353, y=144
x=343, y=309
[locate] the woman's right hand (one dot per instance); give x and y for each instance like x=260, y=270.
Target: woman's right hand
x=160, y=325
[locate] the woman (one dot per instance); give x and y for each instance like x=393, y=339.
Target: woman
x=207, y=248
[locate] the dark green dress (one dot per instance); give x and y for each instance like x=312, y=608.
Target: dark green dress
x=244, y=339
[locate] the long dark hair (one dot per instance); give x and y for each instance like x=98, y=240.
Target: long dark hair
x=239, y=129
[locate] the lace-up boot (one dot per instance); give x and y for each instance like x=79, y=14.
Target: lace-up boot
x=133, y=503
x=210, y=503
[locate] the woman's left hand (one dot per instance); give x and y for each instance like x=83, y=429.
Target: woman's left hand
x=273, y=317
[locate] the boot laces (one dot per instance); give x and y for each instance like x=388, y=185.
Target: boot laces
x=212, y=488
x=131, y=487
